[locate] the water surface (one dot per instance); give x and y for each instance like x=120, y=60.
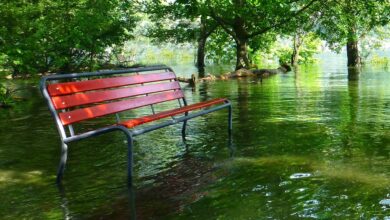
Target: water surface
x=307, y=144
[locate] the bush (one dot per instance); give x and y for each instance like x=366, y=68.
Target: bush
x=6, y=99
x=64, y=35
x=375, y=59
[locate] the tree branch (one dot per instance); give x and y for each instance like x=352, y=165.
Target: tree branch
x=284, y=21
x=224, y=24
x=210, y=28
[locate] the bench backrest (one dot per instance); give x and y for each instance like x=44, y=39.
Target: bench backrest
x=77, y=101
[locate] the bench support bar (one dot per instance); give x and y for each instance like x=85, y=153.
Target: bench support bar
x=129, y=139
x=61, y=167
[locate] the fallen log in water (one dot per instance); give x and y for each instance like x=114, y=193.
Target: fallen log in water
x=191, y=81
x=261, y=73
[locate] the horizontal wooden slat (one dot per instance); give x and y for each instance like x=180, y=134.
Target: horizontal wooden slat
x=114, y=107
x=66, y=88
x=138, y=121
x=68, y=101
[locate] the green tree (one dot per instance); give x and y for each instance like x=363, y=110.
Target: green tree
x=304, y=46
x=245, y=20
x=42, y=35
x=304, y=40
x=373, y=41
x=181, y=21
x=252, y=24
x=345, y=22
x=19, y=36
x=220, y=47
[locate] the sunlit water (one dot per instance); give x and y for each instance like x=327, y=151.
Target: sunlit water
x=307, y=144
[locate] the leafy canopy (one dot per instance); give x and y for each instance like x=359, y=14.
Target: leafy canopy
x=43, y=35
x=348, y=20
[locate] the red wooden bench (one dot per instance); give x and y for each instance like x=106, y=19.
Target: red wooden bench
x=73, y=98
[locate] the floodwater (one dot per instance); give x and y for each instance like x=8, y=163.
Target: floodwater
x=308, y=144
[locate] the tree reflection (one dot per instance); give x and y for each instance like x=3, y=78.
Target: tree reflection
x=353, y=73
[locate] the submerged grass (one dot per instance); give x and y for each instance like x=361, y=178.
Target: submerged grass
x=10, y=177
x=333, y=170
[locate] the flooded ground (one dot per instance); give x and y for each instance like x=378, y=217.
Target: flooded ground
x=307, y=144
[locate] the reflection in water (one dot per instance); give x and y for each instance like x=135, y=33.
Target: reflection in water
x=163, y=193
x=300, y=175
x=64, y=202
x=129, y=213
x=385, y=202
x=353, y=73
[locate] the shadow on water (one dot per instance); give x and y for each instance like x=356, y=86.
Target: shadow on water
x=160, y=195
x=128, y=212
x=163, y=194
x=166, y=194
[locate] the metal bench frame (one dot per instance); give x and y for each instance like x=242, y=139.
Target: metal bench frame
x=129, y=133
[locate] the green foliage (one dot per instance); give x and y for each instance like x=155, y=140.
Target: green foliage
x=247, y=21
x=311, y=46
x=373, y=41
x=306, y=55
x=44, y=35
x=221, y=48
x=3, y=59
x=375, y=59
x=253, y=25
x=142, y=50
x=284, y=54
x=258, y=15
x=348, y=20
x=281, y=51
x=174, y=22
x=6, y=99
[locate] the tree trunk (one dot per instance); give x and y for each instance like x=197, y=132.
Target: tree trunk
x=242, y=60
x=353, y=53
x=200, y=64
x=206, y=29
x=296, y=48
x=352, y=48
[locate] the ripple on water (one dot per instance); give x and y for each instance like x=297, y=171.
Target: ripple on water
x=385, y=202
x=258, y=188
x=300, y=175
x=284, y=183
x=312, y=202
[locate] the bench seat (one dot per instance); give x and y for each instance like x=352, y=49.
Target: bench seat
x=142, y=120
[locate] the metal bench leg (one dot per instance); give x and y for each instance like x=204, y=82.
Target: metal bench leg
x=129, y=160
x=61, y=168
x=183, y=130
x=230, y=121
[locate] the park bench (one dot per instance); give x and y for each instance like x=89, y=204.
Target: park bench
x=74, y=98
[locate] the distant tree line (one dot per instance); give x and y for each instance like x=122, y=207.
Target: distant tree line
x=254, y=25
x=72, y=35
